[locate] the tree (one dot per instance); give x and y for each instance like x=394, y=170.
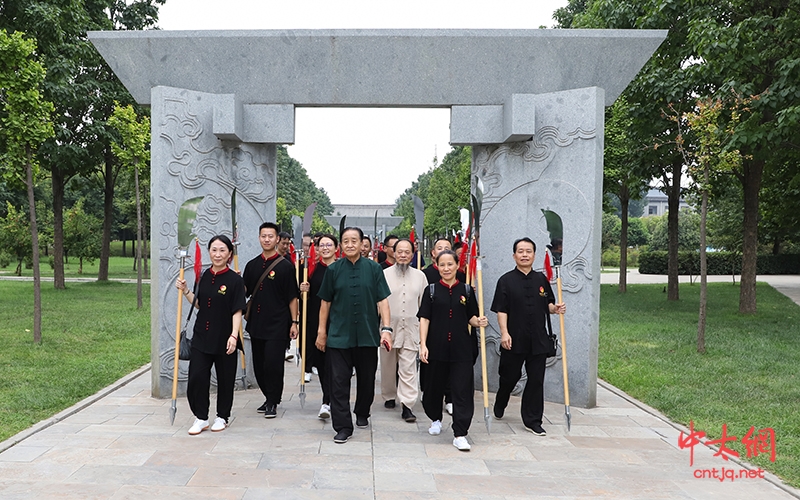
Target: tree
x=667, y=84
x=133, y=152
x=750, y=48
x=296, y=191
x=15, y=235
x=448, y=191
x=709, y=159
x=84, y=89
x=623, y=176
x=688, y=231
x=26, y=123
x=81, y=235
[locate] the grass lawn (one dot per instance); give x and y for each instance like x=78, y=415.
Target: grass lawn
x=750, y=375
x=118, y=267
x=92, y=334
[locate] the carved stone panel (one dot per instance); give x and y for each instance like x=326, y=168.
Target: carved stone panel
x=187, y=161
x=560, y=169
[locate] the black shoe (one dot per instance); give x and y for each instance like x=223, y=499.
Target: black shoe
x=407, y=415
x=271, y=411
x=536, y=429
x=389, y=404
x=262, y=408
x=498, y=412
x=342, y=436
x=362, y=422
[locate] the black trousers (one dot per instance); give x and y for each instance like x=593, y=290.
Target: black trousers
x=458, y=377
x=318, y=360
x=199, y=383
x=340, y=368
x=510, y=371
x=268, y=363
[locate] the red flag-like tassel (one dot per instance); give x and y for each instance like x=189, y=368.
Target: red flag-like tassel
x=292, y=253
x=312, y=260
x=473, y=261
x=198, y=261
x=548, y=269
x=411, y=236
x=462, y=261
x=457, y=238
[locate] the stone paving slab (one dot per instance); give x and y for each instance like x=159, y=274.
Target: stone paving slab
x=120, y=445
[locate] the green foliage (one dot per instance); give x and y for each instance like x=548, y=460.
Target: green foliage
x=81, y=235
x=688, y=231
x=15, y=235
x=24, y=114
x=748, y=376
x=296, y=191
x=448, y=192
x=612, y=227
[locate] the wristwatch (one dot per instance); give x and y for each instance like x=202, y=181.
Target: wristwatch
x=296, y=321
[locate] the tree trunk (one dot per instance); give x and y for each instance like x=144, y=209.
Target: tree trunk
x=751, y=184
x=145, y=253
x=37, y=279
x=80, y=265
x=673, y=204
x=58, y=181
x=108, y=216
x=138, y=240
x=776, y=246
x=624, y=199
x=124, y=242
x=701, y=320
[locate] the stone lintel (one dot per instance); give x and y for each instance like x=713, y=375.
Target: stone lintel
x=512, y=121
x=269, y=123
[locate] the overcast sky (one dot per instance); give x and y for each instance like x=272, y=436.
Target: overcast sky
x=384, y=149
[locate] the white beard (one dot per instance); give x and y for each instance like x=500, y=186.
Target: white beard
x=401, y=269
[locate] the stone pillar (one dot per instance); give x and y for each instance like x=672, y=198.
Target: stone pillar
x=560, y=169
x=189, y=160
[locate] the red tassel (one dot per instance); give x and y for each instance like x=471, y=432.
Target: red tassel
x=473, y=261
x=411, y=236
x=312, y=260
x=198, y=261
x=548, y=269
x=292, y=253
x=462, y=261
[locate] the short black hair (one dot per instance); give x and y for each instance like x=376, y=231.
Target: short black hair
x=389, y=238
x=367, y=238
x=353, y=228
x=284, y=234
x=526, y=240
x=330, y=237
x=269, y=225
x=394, y=247
x=224, y=239
x=447, y=252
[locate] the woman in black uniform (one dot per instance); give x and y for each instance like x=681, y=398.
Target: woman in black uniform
x=326, y=249
x=220, y=301
x=448, y=347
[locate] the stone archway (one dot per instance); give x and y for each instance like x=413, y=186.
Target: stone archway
x=530, y=102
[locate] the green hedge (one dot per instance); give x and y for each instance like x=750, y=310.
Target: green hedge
x=718, y=263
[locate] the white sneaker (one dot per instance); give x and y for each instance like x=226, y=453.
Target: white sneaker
x=436, y=428
x=324, y=411
x=308, y=377
x=449, y=408
x=314, y=370
x=461, y=443
x=219, y=425
x=198, y=426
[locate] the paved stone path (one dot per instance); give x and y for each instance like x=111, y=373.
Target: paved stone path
x=120, y=445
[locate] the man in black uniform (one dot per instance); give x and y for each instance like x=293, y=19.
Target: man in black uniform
x=522, y=300
x=432, y=272
x=388, y=248
x=273, y=315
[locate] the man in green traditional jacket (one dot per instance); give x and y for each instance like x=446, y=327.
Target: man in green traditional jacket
x=353, y=293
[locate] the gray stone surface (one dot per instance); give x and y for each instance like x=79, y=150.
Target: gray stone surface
x=561, y=170
x=631, y=452
x=424, y=68
x=188, y=160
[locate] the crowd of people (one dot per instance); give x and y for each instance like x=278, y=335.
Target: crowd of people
x=361, y=309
